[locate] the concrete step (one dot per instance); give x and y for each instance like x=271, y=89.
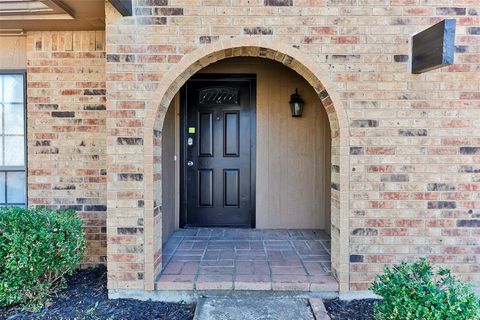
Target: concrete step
x=285, y=282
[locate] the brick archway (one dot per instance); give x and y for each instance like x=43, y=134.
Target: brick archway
x=268, y=48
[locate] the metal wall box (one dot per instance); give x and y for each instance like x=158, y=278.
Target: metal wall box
x=123, y=6
x=434, y=47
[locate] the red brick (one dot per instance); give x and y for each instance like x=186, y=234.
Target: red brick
x=345, y=39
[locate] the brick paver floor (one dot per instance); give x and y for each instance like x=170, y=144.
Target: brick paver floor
x=247, y=259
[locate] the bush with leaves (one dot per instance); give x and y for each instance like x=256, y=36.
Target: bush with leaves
x=38, y=248
x=419, y=291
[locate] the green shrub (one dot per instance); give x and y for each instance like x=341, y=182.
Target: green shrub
x=38, y=248
x=418, y=292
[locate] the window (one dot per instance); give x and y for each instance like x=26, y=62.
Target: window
x=12, y=139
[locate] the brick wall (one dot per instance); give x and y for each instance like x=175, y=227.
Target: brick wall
x=67, y=129
x=158, y=236
x=412, y=174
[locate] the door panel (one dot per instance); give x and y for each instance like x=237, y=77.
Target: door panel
x=218, y=149
x=231, y=187
x=205, y=188
x=205, y=134
x=231, y=134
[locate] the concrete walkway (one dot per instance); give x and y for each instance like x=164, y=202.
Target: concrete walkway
x=260, y=308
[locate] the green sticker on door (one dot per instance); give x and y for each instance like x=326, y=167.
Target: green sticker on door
x=191, y=129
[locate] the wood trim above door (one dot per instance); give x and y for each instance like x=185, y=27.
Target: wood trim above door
x=221, y=78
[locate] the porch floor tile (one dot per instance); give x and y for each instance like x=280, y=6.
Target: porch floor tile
x=247, y=259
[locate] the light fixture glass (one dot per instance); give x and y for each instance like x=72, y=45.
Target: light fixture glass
x=296, y=104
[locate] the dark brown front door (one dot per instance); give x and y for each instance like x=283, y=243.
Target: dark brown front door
x=218, y=149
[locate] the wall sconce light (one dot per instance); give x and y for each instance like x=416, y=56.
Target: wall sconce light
x=296, y=104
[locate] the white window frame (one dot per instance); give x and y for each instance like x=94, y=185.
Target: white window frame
x=4, y=169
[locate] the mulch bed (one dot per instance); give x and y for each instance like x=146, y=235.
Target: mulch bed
x=350, y=310
x=86, y=298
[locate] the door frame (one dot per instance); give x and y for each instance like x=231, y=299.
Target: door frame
x=224, y=78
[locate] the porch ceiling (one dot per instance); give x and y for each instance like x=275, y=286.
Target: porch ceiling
x=51, y=15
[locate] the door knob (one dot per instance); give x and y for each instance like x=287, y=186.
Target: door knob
x=190, y=163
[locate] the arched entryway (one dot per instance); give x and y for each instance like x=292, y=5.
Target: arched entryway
x=305, y=67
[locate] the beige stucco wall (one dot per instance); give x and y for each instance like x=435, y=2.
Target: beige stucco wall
x=293, y=154
x=170, y=186
x=13, y=53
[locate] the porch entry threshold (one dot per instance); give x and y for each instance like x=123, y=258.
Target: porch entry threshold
x=292, y=260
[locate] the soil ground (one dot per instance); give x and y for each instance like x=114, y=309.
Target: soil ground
x=350, y=310
x=86, y=298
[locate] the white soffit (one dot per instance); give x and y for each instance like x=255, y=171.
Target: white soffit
x=11, y=32
x=34, y=10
